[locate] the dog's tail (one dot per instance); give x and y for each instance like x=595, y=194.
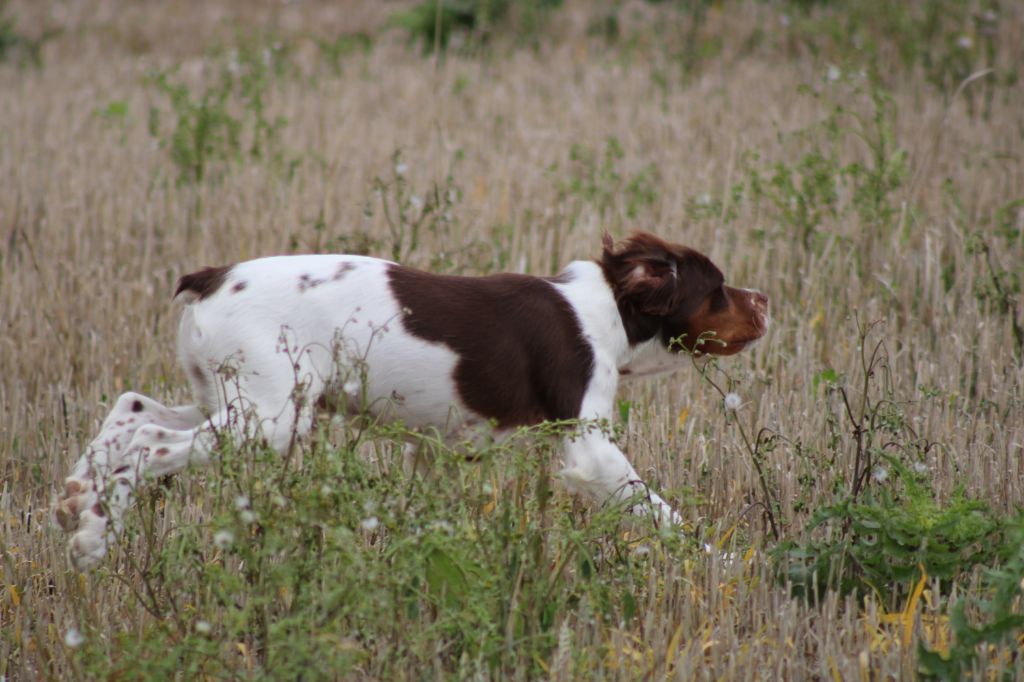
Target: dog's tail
x=202, y=284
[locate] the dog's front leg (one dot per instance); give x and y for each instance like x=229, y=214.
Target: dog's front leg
x=596, y=467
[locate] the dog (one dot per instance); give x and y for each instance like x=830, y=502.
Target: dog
x=269, y=342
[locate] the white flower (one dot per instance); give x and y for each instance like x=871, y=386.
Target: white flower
x=833, y=72
x=442, y=526
x=401, y=169
x=732, y=401
x=247, y=516
x=73, y=638
x=203, y=627
x=351, y=388
x=223, y=538
x=880, y=474
x=965, y=42
x=241, y=502
x=369, y=524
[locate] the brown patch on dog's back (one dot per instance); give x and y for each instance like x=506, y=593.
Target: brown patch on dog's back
x=205, y=282
x=522, y=355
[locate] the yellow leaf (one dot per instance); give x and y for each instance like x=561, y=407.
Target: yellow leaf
x=908, y=613
x=15, y=599
x=725, y=538
x=683, y=414
x=818, y=319
x=673, y=646
x=834, y=669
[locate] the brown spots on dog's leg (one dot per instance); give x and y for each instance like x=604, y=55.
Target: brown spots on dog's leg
x=137, y=406
x=97, y=509
x=162, y=452
x=73, y=488
x=239, y=286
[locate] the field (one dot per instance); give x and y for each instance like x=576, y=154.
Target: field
x=860, y=162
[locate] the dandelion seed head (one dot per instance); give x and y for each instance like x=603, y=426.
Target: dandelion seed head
x=241, y=502
x=880, y=474
x=369, y=524
x=920, y=467
x=833, y=72
x=965, y=42
x=732, y=401
x=247, y=516
x=203, y=627
x=401, y=169
x=223, y=538
x=74, y=638
x=443, y=526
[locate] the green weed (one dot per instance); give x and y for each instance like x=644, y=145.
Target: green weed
x=214, y=124
x=334, y=562
x=596, y=179
x=434, y=24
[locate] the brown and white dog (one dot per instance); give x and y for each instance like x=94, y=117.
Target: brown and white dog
x=364, y=335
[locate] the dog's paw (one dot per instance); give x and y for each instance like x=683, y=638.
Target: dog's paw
x=88, y=545
x=79, y=495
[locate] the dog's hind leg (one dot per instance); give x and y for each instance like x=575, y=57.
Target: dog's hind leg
x=160, y=449
x=107, y=450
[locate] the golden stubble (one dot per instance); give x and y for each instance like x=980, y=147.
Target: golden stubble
x=95, y=231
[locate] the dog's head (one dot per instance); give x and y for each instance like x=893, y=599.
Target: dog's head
x=678, y=294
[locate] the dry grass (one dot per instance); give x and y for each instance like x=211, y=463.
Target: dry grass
x=95, y=230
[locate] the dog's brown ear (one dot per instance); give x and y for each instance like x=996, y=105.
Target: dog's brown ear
x=652, y=284
x=642, y=272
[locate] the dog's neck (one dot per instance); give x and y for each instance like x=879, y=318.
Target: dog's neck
x=631, y=341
